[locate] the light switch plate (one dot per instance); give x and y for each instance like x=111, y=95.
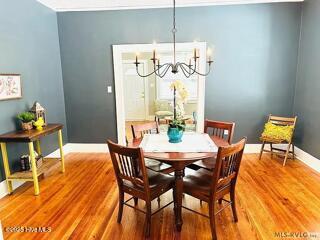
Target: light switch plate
x=109, y=89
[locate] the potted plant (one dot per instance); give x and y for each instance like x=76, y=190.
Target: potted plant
x=177, y=125
x=26, y=119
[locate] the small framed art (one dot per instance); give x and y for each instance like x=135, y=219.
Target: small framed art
x=10, y=86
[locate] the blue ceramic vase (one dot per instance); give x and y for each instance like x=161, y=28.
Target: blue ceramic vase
x=174, y=134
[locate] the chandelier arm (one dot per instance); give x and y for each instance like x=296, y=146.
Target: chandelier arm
x=149, y=74
x=204, y=74
x=195, y=71
x=164, y=72
x=184, y=71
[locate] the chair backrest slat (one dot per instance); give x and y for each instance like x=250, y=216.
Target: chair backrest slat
x=216, y=128
x=128, y=164
x=227, y=165
x=139, y=130
x=283, y=121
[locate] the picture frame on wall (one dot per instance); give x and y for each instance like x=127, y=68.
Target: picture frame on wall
x=10, y=86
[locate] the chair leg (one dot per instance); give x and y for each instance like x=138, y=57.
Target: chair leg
x=148, y=220
x=293, y=154
x=271, y=150
x=135, y=199
x=233, y=204
x=261, y=151
x=212, y=220
x=220, y=201
x=287, y=153
x=200, y=202
x=120, y=210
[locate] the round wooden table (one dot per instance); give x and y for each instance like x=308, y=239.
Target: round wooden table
x=179, y=160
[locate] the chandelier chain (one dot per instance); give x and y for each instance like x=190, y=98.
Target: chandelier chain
x=174, y=30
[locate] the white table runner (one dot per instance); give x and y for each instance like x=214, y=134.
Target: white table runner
x=191, y=142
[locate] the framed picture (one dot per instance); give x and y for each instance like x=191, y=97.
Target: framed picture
x=10, y=86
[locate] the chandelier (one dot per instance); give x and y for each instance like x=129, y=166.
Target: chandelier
x=188, y=69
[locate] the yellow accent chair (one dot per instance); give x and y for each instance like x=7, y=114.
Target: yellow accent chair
x=279, y=130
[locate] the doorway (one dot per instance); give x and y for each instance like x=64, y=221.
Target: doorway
x=139, y=99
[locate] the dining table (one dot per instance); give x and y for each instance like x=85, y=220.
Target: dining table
x=179, y=161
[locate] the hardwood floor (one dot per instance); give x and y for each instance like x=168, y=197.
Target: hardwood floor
x=82, y=204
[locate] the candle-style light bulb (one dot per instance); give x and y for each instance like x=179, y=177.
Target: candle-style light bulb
x=195, y=54
x=154, y=55
x=137, y=62
x=209, y=54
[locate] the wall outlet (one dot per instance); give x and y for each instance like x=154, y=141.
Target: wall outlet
x=109, y=89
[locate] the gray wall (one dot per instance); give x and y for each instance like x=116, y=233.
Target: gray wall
x=307, y=97
x=254, y=73
x=29, y=45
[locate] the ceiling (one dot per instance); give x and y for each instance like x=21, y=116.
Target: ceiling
x=94, y=5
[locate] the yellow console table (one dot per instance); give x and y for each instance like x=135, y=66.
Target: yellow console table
x=31, y=137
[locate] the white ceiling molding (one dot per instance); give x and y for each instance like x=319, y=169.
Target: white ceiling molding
x=102, y=5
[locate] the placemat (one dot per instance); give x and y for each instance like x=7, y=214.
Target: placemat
x=191, y=142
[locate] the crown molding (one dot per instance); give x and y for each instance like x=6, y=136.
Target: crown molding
x=85, y=5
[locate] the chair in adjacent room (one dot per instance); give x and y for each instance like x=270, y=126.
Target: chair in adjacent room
x=136, y=180
x=279, y=130
x=210, y=186
x=162, y=110
x=138, y=131
x=222, y=131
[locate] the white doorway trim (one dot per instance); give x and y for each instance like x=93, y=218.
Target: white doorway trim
x=118, y=50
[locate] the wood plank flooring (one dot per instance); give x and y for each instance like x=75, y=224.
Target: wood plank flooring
x=82, y=204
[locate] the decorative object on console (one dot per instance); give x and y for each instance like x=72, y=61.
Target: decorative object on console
x=26, y=119
x=39, y=124
x=188, y=69
x=39, y=112
x=177, y=125
x=25, y=161
x=10, y=86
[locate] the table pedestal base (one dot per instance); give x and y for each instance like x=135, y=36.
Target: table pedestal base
x=178, y=192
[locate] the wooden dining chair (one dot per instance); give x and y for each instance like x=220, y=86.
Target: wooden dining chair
x=286, y=153
x=138, y=131
x=221, y=130
x=210, y=186
x=136, y=180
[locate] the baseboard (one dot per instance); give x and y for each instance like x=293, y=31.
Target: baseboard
x=82, y=148
x=4, y=189
x=308, y=159
x=303, y=156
